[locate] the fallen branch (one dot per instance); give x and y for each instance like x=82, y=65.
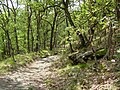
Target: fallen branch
x=78, y=57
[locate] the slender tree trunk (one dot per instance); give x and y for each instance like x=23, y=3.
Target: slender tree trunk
x=55, y=40
x=32, y=42
x=52, y=29
x=70, y=44
x=28, y=35
x=4, y=49
x=25, y=41
x=45, y=37
x=110, y=42
x=71, y=21
x=44, y=42
x=7, y=35
x=15, y=30
x=118, y=10
x=38, y=17
x=9, y=45
x=29, y=11
x=9, y=49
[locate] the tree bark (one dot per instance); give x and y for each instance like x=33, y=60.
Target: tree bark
x=78, y=57
x=15, y=30
x=52, y=29
x=70, y=44
x=7, y=35
x=29, y=11
x=32, y=42
x=38, y=17
x=118, y=10
x=71, y=21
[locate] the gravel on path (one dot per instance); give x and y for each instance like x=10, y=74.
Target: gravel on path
x=31, y=77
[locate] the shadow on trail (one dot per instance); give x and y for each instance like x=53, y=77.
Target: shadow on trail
x=31, y=77
x=10, y=84
x=7, y=83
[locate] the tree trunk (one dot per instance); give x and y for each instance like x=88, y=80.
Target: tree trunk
x=70, y=44
x=32, y=42
x=52, y=29
x=118, y=10
x=38, y=17
x=78, y=57
x=28, y=27
x=8, y=43
x=16, y=36
x=4, y=49
x=71, y=21
x=15, y=30
x=44, y=42
x=109, y=44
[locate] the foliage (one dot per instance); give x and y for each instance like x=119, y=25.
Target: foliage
x=20, y=61
x=86, y=76
x=39, y=28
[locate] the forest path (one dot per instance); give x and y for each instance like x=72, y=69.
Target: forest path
x=32, y=76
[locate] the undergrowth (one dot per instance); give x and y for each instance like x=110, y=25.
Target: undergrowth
x=9, y=64
x=104, y=76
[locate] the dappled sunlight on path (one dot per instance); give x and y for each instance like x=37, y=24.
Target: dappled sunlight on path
x=31, y=76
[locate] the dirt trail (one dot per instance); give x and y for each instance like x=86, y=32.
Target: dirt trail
x=32, y=76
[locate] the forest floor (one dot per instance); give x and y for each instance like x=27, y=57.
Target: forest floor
x=45, y=74
x=30, y=77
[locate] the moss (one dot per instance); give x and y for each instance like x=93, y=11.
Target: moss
x=101, y=52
